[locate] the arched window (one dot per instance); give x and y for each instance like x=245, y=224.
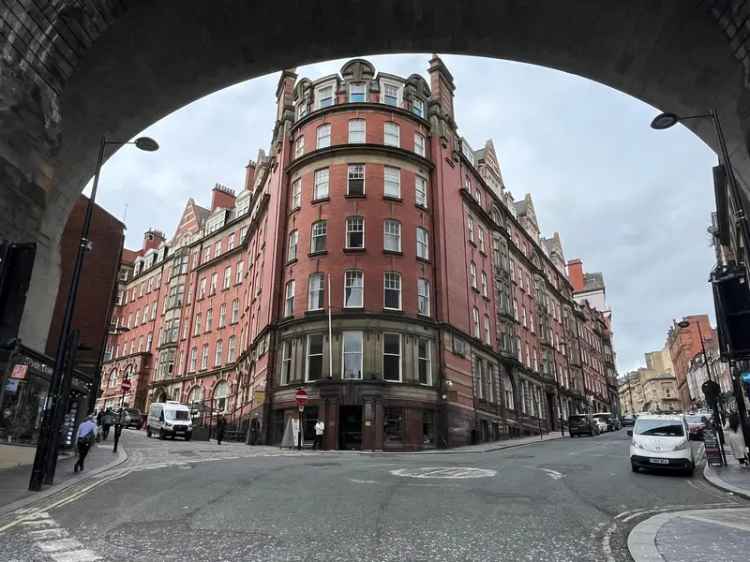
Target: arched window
x=220, y=397
x=195, y=396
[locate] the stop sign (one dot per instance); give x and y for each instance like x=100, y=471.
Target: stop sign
x=125, y=385
x=301, y=397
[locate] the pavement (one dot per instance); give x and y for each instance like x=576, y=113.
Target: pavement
x=558, y=499
x=699, y=534
x=14, y=477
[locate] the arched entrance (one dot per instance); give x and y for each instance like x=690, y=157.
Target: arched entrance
x=673, y=55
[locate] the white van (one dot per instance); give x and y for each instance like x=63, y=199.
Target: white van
x=169, y=418
x=661, y=442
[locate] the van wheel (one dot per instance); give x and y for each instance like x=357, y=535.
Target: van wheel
x=633, y=467
x=148, y=431
x=689, y=471
x=161, y=434
x=187, y=437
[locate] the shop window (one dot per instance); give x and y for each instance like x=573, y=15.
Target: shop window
x=393, y=425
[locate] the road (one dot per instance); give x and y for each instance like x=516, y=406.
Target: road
x=574, y=499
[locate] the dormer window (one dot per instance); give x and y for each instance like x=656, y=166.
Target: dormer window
x=417, y=107
x=357, y=92
x=324, y=95
x=391, y=94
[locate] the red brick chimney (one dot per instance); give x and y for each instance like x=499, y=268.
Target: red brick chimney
x=441, y=83
x=222, y=197
x=575, y=274
x=152, y=239
x=249, y=175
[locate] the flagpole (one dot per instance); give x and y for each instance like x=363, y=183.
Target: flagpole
x=330, y=331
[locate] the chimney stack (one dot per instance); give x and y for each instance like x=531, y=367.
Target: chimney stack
x=441, y=83
x=152, y=239
x=575, y=274
x=222, y=197
x=249, y=175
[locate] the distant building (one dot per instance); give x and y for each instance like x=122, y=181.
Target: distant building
x=684, y=344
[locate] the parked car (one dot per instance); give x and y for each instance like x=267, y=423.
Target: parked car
x=131, y=417
x=582, y=424
x=628, y=421
x=661, y=442
x=605, y=421
x=696, y=424
x=169, y=419
x=616, y=423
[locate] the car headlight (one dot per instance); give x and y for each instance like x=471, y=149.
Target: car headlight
x=638, y=445
x=167, y=425
x=682, y=445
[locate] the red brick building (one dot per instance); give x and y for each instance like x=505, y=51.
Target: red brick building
x=374, y=259
x=97, y=286
x=684, y=344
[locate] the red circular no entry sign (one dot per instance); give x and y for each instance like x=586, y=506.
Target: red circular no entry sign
x=301, y=397
x=125, y=385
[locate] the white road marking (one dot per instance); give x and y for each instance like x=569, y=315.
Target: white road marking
x=55, y=533
x=76, y=556
x=606, y=541
x=553, y=473
x=357, y=481
x=450, y=472
x=58, y=544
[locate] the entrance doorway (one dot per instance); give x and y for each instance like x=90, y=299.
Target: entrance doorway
x=350, y=427
x=551, y=408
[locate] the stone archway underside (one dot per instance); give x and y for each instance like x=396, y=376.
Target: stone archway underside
x=74, y=70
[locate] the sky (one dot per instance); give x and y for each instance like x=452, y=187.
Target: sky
x=631, y=202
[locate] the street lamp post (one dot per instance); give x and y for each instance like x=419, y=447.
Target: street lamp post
x=55, y=400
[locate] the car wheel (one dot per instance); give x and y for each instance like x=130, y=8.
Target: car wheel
x=148, y=431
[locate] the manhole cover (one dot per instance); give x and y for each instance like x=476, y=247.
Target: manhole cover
x=454, y=472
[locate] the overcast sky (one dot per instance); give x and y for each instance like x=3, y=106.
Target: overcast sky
x=631, y=202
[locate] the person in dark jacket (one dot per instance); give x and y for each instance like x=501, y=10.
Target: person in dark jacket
x=221, y=426
x=107, y=420
x=254, y=430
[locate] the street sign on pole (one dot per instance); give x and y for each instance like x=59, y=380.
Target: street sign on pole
x=125, y=386
x=301, y=397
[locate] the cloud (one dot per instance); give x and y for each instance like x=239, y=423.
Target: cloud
x=633, y=203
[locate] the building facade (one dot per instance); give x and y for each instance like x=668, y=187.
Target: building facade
x=378, y=261
x=684, y=344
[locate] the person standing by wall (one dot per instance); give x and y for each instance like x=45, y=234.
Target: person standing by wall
x=736, y=439
x=320, y=428
x=86, y=435
x=254, y=429
x=221, y=426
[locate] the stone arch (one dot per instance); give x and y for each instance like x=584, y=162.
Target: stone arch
x=57, y=103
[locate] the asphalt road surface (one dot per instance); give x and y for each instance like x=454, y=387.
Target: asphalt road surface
x=574, y=499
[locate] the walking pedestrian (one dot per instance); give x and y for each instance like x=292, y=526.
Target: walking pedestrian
x=107, y=420
x=736, y=439
x=86, y=434
x=221, y=425
x=320, y=428
x=254, y=429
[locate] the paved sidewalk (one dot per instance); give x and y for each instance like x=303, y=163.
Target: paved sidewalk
x=14, y=482
x=495, y=445
x=732, y=478
x=693, y=536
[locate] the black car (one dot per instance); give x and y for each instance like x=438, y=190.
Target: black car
x=628, y=421
x=582, y=424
